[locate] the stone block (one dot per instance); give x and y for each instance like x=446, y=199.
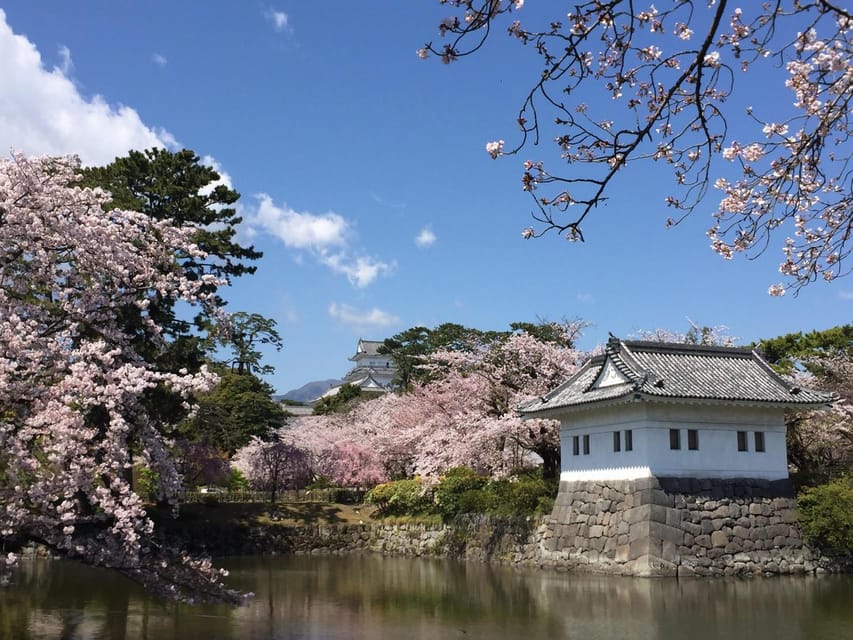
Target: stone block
x=669, y=552
x=662, y=498
x=741, y=532
x=638, y=531
x=703, y=541
x=719, y=539
x=666, y=533
x=674, y=517
x=596, y=531
x=643, y=547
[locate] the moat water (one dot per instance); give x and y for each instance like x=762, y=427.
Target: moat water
x=371, y=597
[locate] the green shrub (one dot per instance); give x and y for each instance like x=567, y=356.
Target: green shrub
x=237, y=481
x=461, y=490
x=826, y=515
x=401, y=497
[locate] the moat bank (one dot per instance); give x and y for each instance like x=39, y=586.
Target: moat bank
x=649, y=527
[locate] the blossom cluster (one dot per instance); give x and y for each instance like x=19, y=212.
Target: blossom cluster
x=465, y=415
x=670, y=73
x=73, y=420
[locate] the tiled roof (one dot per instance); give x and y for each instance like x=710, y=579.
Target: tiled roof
x=661, y=370
x=367, y=348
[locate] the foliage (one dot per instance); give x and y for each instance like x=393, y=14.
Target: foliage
x=463, y=491
x=697, y=334
x=237, y=409
x=176, y=186
x=246, y=332
x=411, y=348
x=460, y=491
x=237, y=481
x=73, y=383
x=820, y=443
x=401, y=497
x=201, y=464
x=826, y=515
x=793, y=350
x=464, y=414
x=339, y=402
x=669, y=72
x=527, y=493
x=272, y=466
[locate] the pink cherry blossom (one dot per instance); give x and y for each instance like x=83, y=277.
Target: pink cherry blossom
x=72, y=385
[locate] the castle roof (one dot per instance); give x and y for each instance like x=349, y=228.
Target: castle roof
x=639, y=370
x=367, y=348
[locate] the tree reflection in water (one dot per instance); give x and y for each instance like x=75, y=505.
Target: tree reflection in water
x=361, y=597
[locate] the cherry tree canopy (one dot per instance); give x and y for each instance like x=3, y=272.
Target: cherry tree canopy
x=464, y=414
x=72, y=386
x=669, y=67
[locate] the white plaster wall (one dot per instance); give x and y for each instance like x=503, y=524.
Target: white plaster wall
x=717, y=456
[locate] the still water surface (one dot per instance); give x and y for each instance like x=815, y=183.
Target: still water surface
x=370, y=597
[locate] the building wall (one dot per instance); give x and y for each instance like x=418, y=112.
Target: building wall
x=716, y=427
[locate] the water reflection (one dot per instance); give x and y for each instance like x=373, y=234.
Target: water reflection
x=362, y=597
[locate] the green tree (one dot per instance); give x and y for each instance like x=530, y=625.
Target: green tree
x=820, y=443
x=237, y=409
x=340, y=402
x=792, y=349
x=411, y=347
x=177, y=186
x=248, y=331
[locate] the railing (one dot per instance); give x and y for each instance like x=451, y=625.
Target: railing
x=346, y=496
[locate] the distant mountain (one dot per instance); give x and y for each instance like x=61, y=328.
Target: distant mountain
x=309, y=391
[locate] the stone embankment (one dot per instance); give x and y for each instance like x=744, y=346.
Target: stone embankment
x=679, y=526
x=648, y=527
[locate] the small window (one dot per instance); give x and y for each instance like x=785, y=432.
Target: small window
x=759, y=441
x=617, y=441
x=586, y=445
x=629, y=440
x=674, y=439
x=576, y=445
x=693, y=439
x=741, y=441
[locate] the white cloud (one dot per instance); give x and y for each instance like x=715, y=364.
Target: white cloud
x=42, y=112
x=301, y=230
x=348, y=315
x=425, y=238
x=325, y=236
x=159, y=59
x=224, y=176
x=66, y=65
x=278, y=19
x=845, y=295
x=360, y=271
x=586, y=298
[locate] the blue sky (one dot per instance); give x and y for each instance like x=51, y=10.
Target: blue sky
x=363, y=173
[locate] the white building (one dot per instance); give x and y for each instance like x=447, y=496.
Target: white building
x=654, y=409
x=373, y=372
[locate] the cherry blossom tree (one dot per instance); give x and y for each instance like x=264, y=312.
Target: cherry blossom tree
x=73, y=385
x=272, y=466
x=462, y=412
x=669, y=69
x=820, y=443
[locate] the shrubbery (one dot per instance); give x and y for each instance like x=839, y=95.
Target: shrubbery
x=402, y=497
x=826, y=515
x=462, y=491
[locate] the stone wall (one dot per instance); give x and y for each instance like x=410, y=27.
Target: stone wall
x=646, y=527
x=677, y=526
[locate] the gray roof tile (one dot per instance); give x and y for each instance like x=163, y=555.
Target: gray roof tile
x=678, y=371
